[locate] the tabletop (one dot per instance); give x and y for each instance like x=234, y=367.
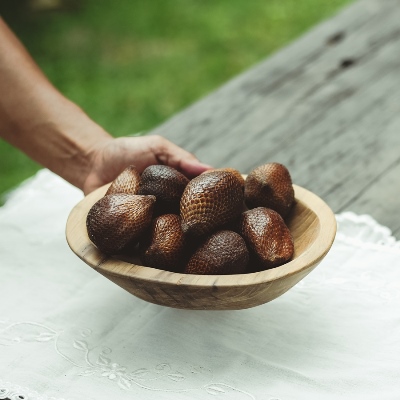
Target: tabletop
x=327, y=106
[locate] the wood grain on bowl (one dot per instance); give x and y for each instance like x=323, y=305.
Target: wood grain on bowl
x=311, y=222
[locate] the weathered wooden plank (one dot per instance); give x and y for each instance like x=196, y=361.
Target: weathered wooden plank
x=385, y=206
x=327, y=106
x=228, y=103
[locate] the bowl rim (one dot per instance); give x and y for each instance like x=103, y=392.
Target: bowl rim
x=111, y=265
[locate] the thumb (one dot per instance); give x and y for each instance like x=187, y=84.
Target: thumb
x=170, y=154
x=193, y=167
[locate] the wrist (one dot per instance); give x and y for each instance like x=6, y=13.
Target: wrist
x=78, y=150
x=62, y=138
x=76, y=143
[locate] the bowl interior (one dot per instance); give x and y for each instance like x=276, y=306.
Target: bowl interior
x=304, y=225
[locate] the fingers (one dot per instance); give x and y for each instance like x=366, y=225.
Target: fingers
x=115, y=156
x=193, y=168
x=168, y=153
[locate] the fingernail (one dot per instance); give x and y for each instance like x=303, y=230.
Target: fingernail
x=194, y=168
x=199, y=163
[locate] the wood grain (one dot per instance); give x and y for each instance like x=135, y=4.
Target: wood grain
x=327, y=107
x=311, y=223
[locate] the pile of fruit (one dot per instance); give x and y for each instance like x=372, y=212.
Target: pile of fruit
x=216, y=223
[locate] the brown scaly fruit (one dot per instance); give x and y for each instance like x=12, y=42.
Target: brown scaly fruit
x=167, y=184
x=270, y=186
x=223, y=253
x=268, y=238
x=164, y=245
x=118, y=219
x=126, y=182
x=234, y=171
x=210, y=201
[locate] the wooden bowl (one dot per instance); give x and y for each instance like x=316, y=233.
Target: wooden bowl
x=312, y=224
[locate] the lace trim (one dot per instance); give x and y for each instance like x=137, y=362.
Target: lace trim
x=363, y=231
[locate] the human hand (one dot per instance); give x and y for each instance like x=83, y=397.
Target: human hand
x=111, y=157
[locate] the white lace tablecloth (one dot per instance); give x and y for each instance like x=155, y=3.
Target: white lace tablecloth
x=66, y=332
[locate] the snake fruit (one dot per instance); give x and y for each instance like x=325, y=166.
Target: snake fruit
x=126, y=182
x=210, y=201
x=270, y=186
x=118, y=219
x=224, y=252
x=234, y=171
x=268, y=238
x=164, y=245
x=167, y=184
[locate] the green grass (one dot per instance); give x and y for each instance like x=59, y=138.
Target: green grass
x=133, y=63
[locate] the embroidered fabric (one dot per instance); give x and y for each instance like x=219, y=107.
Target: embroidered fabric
x=9, y=391
x=67, y=333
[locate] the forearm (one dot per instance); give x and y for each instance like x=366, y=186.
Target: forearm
x=38, y=120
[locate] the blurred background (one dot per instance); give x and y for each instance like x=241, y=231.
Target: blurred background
x=130, y=64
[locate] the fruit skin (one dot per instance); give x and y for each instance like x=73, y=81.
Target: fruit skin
x=164, y=245
x=126, y=182
x=234, y=171
x=210, y=201
x=267, y=237
x=223, y=253
x=167, y=184
x=118, y=219
x=270, y=186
